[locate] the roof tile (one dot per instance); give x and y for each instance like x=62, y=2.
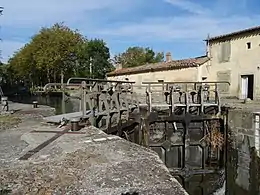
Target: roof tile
x=230, y=35
x=161, y=66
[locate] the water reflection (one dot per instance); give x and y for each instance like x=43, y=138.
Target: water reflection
x=203, y=184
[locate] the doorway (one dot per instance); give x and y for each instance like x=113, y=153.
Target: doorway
x=247, y=86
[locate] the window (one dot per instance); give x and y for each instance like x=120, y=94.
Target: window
x=248, y=45
x=225, y=51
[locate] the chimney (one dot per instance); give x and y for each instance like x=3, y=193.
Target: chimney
x=118, y=66
x=168, y=57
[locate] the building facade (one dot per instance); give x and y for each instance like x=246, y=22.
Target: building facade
x=169, y=70
x=233, y=57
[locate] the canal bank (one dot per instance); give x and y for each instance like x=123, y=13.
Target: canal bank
x=241, y=174
x=84, y=162
x=196, y=184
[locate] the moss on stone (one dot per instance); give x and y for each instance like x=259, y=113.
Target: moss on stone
x=8, y=121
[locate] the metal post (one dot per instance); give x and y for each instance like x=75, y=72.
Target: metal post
x=63, y=93
x=83, y=99
x=90, y=67
x=35, y=104
x=75, y=124
x=4, y=103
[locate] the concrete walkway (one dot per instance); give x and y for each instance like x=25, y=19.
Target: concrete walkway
x=90, y=162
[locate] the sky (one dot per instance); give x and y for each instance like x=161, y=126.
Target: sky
x=178, y=26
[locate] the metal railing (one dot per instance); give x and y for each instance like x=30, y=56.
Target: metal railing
x=105, y=99
x=186, y=96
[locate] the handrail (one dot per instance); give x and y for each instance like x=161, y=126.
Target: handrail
x=185, y=82
x=95, y=83
x=97, y=80
x=59, y=84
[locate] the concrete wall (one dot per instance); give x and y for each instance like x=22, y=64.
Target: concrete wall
x=243, y=61
x=243, y=155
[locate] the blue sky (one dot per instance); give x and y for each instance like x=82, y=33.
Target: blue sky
x=178, y=26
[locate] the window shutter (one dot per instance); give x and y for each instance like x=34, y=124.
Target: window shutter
x=220, y=53
x=225, y=52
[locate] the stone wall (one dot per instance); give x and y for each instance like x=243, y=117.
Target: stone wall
x=243, y=152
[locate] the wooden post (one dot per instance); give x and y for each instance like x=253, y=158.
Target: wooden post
x=145, y=127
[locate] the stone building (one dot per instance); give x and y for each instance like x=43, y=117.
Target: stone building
x=169, y=70
x=233, y=57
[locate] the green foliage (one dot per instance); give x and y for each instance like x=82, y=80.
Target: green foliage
x=59, y=50
x=137, y=56
x=94, y=56
x=6, y=74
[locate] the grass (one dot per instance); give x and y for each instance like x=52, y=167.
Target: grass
x=8, y=121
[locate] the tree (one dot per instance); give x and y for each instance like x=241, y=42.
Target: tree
x=94, y=56
x=7, y=78
x=137, y=56
x=49, y=53
x=57, y=50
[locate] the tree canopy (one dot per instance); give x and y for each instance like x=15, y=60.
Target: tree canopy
x=94, y=55
x=137, y=56
x=59, y=50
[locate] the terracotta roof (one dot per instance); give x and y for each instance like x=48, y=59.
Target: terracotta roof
x=255, y=29
x=161, y=66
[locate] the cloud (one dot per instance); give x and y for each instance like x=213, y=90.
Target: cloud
x=194, y=25
x=22, y=19
x=121, y=23
x=34, y=13
x=188, y=6
x=180, y=28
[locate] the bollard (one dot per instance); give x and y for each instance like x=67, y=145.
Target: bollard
x=75, y=124
x=35, y=104
x=4, y=103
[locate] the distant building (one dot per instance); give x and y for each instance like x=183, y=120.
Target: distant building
x=169, y=70
x=233, y=57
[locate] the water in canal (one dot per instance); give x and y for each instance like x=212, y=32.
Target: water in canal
x=229, y=182
x=52, y=101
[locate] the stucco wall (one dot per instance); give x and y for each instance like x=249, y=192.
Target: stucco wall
x=243, y=61
x=187, y=74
